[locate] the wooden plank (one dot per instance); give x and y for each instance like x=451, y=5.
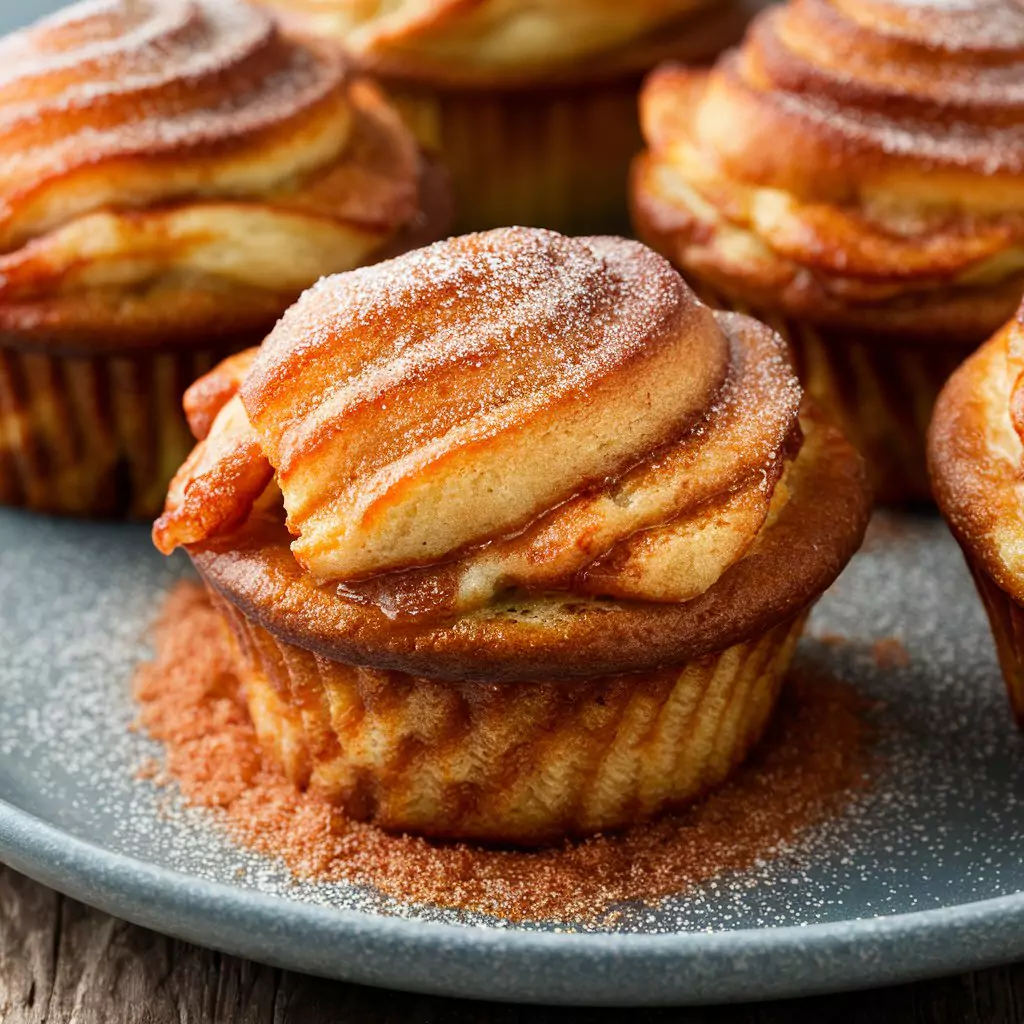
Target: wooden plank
x=29, y=935
x=63, y=962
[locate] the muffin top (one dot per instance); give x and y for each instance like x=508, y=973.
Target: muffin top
x=178, y=166
x=854, y=162
x=506, y=42
x=479, y=449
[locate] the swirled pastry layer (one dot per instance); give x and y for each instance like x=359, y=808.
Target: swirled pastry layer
x=177, y=162
x=506, y=42
x=564, y=635
x=510, y=410
x=855, y=161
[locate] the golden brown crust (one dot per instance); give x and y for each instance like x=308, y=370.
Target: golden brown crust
x=506, y=411
x=486, y=44
x=665, y=530
x=205, y=398
x=113, y=86
x=975, y=459
x=229, y=463
x=796, y=558
x=179, y=313
x=139, y=206
x=856, y=161
x=508, y=356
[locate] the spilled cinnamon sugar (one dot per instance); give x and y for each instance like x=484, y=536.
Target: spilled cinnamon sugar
x=808, y=768
x=889, y=652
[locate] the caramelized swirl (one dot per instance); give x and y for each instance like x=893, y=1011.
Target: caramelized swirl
x=854, y=159
x=159, y=144
x=497, y=42
x=508, y=410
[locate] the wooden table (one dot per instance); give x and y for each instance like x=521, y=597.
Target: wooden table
x=63, y=962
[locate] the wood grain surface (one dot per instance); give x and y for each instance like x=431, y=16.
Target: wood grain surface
x=63, y=962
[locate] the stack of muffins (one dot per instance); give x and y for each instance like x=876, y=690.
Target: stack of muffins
x=514, y=534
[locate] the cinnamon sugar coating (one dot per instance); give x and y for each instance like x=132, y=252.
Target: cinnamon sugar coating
x=510, y=411
x=170, y=169
x=688, y=512
x=469, y=388
x=512, y=458
x=855, y=162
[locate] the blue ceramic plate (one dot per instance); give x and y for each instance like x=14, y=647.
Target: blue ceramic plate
x=922, y=876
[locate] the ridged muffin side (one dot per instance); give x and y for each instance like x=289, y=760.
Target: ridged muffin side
x=94, y=435
x=523, y=764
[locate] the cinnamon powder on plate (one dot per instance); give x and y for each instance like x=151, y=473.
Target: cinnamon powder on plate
x=807, y=769
x=889, y=652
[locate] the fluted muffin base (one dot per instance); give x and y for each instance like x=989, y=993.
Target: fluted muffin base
x=881, y=395
x=557, y=158
x=1006, y=618
x=94, y=434
x=522, y=763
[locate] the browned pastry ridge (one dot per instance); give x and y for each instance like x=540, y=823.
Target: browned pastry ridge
x=854, y=163
x=976, y=455
x=852, y=174
x=518, y=471
x=172, y=175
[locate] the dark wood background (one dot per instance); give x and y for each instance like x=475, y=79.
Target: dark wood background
x=63, y=962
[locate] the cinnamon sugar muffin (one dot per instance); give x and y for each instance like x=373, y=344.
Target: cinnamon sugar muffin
x=533, y=106
x=976, y=455
x=854, y=176
x=515, y=536
x=172, y=175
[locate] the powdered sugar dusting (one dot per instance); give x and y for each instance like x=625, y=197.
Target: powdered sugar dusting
x=382, y=386
x=521, y=301
x=951, y=25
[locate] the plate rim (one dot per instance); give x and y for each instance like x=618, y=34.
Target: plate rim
x=562, y=968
